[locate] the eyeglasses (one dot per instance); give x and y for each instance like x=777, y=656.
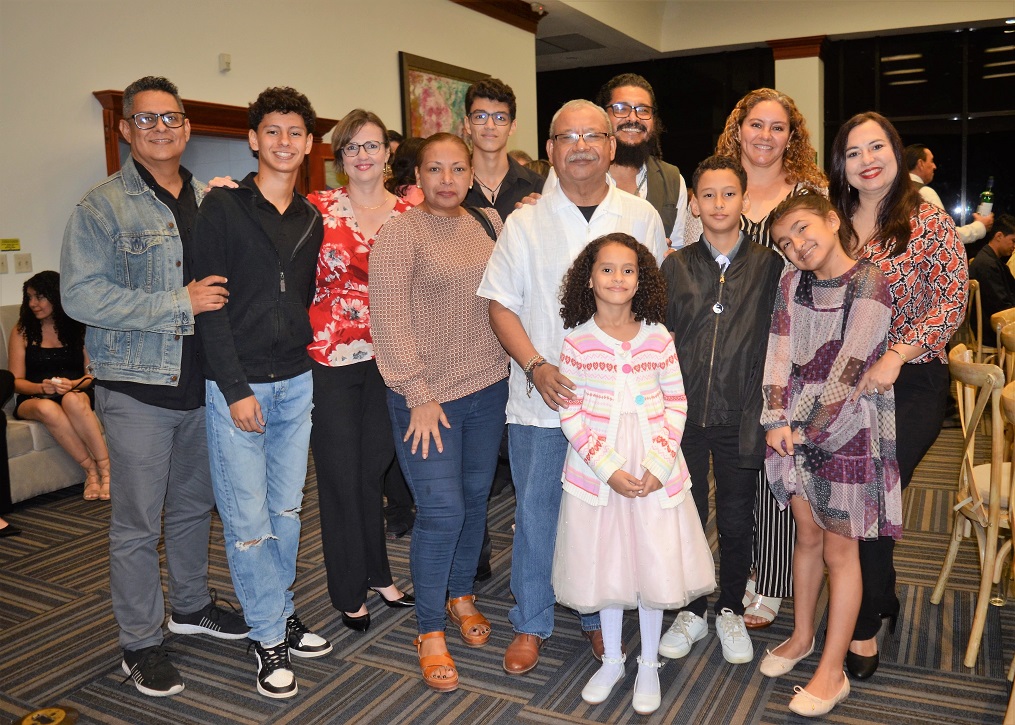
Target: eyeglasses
x=478, y=118
x=352, y=149
x=146, y=121
x=623, y=110
x=570, y=139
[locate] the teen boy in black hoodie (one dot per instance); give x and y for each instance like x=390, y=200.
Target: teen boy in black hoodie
x=264, y=238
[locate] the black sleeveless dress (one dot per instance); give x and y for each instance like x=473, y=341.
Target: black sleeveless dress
x=42, y=363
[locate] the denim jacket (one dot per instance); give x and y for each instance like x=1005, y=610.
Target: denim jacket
x=121, y=273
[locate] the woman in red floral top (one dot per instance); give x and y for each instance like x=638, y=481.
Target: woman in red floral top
x=915, y=246
x=351, y=436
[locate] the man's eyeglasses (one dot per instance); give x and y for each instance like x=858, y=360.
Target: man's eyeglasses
x=570, y=139
x=623, y=110
x=352, y=149
x=478, y=118
x=146, y=121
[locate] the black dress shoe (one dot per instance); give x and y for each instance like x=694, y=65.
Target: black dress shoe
x=10, y=530
x=484, y=573
x=406, y=600
x=862, y=667
x=358, y=624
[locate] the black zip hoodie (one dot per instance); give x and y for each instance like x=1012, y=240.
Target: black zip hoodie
x=262, y=333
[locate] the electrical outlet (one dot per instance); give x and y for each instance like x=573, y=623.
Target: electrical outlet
x=23, y=263
x=3, y=264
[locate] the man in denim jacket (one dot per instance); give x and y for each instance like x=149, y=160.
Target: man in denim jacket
x=124, y=266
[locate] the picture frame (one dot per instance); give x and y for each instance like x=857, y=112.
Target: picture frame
x=433, y=95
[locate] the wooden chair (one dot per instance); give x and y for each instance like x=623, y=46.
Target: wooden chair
x=1006, y=349
x=974, y=321
x=979, y=499
x=997, y=322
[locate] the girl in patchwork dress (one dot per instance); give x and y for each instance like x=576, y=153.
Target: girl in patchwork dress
x=626, y=537
x=831, y=455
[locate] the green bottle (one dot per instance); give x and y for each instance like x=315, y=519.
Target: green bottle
x=986, y=198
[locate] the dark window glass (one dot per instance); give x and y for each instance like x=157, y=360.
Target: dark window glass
x=921, y=75
x=992, y=70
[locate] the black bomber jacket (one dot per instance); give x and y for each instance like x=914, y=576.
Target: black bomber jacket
x=722, y=354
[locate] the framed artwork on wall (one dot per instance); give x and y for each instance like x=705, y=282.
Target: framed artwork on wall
x=433, y=95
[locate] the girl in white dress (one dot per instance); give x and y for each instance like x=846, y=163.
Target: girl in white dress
x=625, y=537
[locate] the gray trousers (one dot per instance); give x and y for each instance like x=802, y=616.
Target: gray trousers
x=159, y=471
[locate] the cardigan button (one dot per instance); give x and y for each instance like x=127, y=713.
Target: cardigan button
x=626, y=368
x=625, y=346
x=639, y=400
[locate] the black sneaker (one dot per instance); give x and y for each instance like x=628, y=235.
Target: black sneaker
x=275, y=676
x=212, y=620
x=303, y=642
x=153, y=674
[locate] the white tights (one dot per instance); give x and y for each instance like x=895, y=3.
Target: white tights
x=650, y=621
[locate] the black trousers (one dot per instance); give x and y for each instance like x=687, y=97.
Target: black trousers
x=398, y=510
x=6, y=391
x=735, y=489
x=921, y=396
x=353, y=448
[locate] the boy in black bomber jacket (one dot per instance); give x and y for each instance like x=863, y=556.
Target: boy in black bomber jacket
x=721, y=292
x=264, y=238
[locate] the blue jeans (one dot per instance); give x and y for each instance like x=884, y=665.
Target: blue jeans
x=451, y=489
x=258, y=480
x=537, y=462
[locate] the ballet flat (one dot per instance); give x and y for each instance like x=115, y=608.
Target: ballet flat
x=806, y=704
x=773, y=665
x=597, y=694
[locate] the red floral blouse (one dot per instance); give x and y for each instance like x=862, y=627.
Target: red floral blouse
x=339, y=314
x=928, y=282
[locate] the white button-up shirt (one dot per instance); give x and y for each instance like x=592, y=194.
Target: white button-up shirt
x=536, y=248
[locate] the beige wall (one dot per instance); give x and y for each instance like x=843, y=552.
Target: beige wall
x=341, y=53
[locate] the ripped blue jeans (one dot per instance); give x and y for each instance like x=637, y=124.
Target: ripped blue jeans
x=258, y=480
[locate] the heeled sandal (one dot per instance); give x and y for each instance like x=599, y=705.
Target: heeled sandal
x=93, y=489
x=428, y=664
x=103, y=465
x=469, y=622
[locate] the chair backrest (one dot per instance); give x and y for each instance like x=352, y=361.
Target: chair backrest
x=997, y=323
x=974, y=316
x=978, y=388
x=1006, y=343
x=1008, y=405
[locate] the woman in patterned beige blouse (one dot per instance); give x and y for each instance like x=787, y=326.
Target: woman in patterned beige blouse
x=447, y=379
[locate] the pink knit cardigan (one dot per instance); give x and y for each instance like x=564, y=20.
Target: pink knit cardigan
x=599, y=366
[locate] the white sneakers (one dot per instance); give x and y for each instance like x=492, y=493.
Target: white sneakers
x=689, y=628
x=736, y=643
x=686, y=629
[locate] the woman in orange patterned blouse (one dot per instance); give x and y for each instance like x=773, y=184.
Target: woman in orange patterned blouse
x=915, y=246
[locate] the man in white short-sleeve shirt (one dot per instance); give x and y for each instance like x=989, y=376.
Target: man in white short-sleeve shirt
x=522, y=280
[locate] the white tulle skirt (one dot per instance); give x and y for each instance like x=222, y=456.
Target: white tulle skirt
x=630, y=550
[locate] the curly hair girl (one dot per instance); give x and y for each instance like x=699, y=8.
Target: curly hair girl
x=798, y=161
x=47, y=284
x=578, y=303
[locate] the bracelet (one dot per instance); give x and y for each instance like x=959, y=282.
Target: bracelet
x=900, y=354
x=530, y=368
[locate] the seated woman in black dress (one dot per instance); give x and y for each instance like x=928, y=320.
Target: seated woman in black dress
x=47, y=356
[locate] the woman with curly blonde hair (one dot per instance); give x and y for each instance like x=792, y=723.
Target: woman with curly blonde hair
x=767, y=132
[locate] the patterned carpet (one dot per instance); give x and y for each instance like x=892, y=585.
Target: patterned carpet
x=58, y=641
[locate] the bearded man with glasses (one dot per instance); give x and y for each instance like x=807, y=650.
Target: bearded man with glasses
x=125, y=271
x=637, y=167
x=522, y=282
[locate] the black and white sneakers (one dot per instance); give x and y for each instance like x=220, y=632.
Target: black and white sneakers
x=303, y=642
x=212, y=620
x=152, y=672
x=275, y=676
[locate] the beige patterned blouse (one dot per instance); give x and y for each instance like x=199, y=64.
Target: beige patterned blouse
x=432, y=335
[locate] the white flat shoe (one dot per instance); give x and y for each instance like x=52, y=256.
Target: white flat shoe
x=596, y=693
x=647, y=703
x=806, y=704
x=772, y=665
